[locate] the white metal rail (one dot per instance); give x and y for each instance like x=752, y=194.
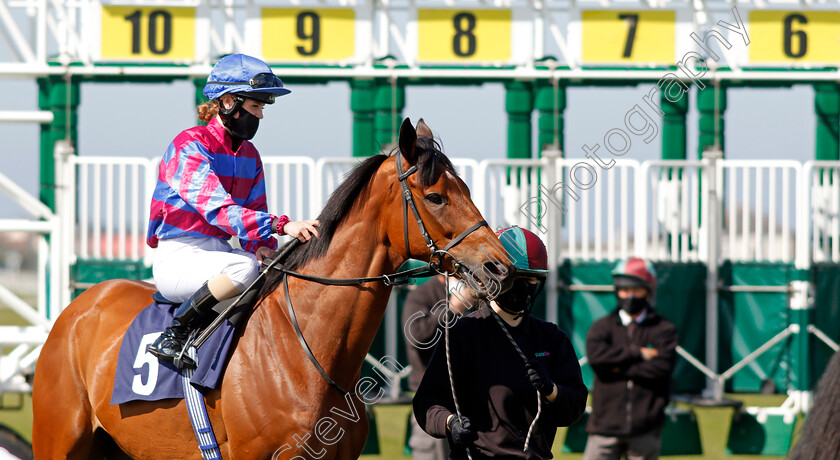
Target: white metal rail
x=654, y=209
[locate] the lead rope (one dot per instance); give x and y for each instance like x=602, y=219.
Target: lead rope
x=449, y=363
x=539, y=400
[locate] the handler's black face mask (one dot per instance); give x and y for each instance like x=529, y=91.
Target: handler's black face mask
x=244, y=127
x=633, y=305
x=519, y=300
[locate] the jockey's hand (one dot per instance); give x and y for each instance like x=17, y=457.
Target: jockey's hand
x=303, y=230
x=263, y=252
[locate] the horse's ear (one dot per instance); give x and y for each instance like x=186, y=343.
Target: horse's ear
x=423, y=129
x=408, y=140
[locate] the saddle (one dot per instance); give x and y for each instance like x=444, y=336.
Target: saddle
x=140, y=376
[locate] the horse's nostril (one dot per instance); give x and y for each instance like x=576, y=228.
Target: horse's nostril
x=496, y=270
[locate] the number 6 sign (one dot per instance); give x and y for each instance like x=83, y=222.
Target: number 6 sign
x=794, y=37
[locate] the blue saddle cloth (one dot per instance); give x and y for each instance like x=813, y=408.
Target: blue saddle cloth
x=140, y=376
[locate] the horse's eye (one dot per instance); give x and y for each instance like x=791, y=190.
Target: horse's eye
x=434, y=198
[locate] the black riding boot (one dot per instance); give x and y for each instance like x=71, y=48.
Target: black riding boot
x=171, y=342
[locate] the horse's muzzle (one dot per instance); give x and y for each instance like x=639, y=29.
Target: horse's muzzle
x=487, y=280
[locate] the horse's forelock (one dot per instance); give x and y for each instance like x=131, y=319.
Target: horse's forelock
x=431, y=161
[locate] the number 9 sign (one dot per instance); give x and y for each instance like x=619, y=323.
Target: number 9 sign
x=322, y=34
x=148, y=33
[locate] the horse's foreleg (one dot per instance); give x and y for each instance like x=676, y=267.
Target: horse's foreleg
x=350, y=447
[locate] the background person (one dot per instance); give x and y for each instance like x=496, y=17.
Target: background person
x=421, y=319
x=632, y=352
x=210, y=188
x=496, y=389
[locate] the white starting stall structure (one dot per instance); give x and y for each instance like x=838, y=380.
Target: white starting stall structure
x=735, y=220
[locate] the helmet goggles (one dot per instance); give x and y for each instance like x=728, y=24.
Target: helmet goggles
x=258, y=81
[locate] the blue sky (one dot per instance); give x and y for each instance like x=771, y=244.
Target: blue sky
x=316, y=121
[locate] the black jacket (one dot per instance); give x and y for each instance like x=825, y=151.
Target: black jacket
x=629, y=394
x=493, y=389
x=422, y=327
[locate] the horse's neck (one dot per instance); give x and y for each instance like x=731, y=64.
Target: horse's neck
x=339, y=323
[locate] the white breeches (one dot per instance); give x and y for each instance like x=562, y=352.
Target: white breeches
x=182, y=264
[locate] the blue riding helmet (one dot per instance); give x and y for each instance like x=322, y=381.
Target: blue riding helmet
x=245, y=76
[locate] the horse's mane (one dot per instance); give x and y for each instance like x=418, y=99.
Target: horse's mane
x=431, y=163
x=821, y=431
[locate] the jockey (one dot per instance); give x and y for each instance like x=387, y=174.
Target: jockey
x=210, y=188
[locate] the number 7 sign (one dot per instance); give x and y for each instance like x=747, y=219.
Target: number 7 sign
x=611, y=37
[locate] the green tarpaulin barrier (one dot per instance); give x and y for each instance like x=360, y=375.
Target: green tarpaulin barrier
x=826, y=279
x=750, y=319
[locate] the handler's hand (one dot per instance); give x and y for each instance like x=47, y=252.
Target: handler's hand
x=539, y=377
x=462, y=433
x=262, y=253
x=303, y=230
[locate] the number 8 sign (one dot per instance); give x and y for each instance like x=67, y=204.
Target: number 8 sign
x=148, y=33
x=448, y=36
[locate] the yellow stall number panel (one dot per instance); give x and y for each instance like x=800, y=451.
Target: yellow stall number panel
x=463, y=35
x=148, y=33
x=794, y=36
x=619, y=37
x=290, y=34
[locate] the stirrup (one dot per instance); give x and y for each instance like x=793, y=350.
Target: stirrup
x=183, y=360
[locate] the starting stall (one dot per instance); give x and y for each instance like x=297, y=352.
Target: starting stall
x=748, y=252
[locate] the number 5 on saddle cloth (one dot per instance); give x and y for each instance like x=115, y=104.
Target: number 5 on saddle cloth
x=140, y=376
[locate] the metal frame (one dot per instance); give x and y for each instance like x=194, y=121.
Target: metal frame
x=57, y=37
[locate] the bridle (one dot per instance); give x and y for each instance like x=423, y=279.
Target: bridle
x=408, y=202
x=394, y=279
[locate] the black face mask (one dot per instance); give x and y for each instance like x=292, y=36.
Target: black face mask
x=633, y=305
x=244, y=127
x=519, y=300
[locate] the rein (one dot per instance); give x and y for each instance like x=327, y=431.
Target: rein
x=393, y=279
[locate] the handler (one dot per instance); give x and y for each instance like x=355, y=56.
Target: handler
x=633, y=353
x=496, y=389
x=210, y=188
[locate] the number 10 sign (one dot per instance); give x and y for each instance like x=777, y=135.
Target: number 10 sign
x=148, y=33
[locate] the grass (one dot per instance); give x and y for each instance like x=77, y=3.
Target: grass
x=714, y=428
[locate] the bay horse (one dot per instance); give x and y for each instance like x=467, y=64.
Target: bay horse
x=272, y=402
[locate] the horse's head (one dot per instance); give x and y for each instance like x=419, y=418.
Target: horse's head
x=456, y=236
